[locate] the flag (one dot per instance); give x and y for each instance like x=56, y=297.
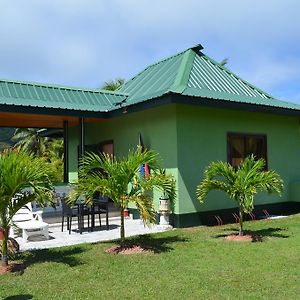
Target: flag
x=144, y=169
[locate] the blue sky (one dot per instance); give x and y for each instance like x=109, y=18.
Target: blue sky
x=84, y=43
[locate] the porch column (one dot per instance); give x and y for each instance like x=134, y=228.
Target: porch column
x=81, y=137
x=66, y=152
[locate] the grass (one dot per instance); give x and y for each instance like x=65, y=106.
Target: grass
x=193, y=263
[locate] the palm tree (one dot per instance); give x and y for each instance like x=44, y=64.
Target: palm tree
x=113, y=85
x=51, y=149
x=223, y=62
x=120, y=180
x=6, y=134
x=241, y=184
x=54, y=154
x=29, y=139
x=19, y=170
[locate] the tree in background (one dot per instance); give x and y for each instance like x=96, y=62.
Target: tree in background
x=29, y=139
x=241, y=184
x=6, y=134
x=224, y=62
x=113, y=85
x=49, y=149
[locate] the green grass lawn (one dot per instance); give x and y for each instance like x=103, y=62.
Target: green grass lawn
x=193, y=263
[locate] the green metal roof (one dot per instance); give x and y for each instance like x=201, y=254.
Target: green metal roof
x=55, y=96
x=192, y=73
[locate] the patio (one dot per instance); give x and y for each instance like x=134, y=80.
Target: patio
x=59, y=239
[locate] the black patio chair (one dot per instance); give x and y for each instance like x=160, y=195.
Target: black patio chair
x=101, y=207
x=69, y=212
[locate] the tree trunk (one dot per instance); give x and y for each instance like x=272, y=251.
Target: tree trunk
x=4, y=257
x=241, y=232
x=122, y=229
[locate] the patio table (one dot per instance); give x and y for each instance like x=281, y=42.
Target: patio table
x=84, y=209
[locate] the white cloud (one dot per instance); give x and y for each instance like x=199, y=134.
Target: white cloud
x=84, y=43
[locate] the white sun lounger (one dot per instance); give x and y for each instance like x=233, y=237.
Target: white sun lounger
x=31, y=223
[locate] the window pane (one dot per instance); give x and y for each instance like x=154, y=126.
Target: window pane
x=237, y=146
x=242, y=145
x=255, y=145
x=108, y=148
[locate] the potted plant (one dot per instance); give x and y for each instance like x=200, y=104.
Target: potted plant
x=166, y=201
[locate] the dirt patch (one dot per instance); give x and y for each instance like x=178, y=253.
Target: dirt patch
x=241, y=238
x=12, y=268
x=132, y=249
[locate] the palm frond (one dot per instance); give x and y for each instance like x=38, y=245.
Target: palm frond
x=241, y=184
x=20, y=170
x=144, y=204
x=208, y=185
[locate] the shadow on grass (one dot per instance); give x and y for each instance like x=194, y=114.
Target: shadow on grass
x=154, y=244
x=63, y=256
x=19, y=297
x=258, y=235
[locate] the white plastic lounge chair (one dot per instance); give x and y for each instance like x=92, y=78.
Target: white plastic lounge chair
x=31, y=223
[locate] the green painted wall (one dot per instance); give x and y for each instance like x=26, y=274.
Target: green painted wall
x=158, y=129
x=295, y=191
x=202, y=138
x=188, y=138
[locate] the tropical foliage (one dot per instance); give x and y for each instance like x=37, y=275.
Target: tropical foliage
x=120, y=180
x=113, y=85
x=29, y=139
x=223, y=62
x=19, y=170
x=49, y=149
x=241, y=184
x=6, y=134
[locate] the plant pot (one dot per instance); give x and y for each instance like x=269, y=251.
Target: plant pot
x=2, y=233
x=164, y=219
x=126, y=213
x=164, y=205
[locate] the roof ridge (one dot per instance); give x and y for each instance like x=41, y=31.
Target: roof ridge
x=236, y=76
x=183, y=74
x=152, y=65
x=58, y=86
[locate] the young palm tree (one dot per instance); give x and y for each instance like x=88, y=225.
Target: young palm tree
x=120, y=180
x=241, y=184
x=19, y=170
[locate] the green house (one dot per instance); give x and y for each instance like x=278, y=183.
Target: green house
x=188, y=108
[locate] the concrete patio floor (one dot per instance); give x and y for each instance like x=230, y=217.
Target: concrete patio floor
x=59, y=239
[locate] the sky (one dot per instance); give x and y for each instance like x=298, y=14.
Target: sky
x=85, y=43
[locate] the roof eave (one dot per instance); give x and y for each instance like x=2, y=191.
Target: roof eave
x=177, y=98
x=51, y=111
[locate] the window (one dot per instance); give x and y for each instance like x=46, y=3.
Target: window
x=107, y=147
x=240, y=145
x=103, y=147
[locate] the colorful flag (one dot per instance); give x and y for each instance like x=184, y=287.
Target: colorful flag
x=144, y=169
